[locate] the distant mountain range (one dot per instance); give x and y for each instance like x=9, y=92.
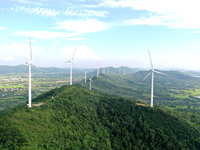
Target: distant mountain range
x=4, y=69
x=24, y=68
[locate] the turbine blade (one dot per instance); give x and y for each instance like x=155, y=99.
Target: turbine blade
x=30, y=48
x=74, y=66
x=67, y=61
x=147, y=75
x=150, y=60
x=39, y=68
x=74, y=54
x=160, y=73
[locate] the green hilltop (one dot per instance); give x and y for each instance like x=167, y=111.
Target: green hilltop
x=72, y=117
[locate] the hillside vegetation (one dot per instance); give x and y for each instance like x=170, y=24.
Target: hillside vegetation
x=175, y=90
x=76, y=118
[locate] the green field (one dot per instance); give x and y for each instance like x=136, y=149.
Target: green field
x=13, y=93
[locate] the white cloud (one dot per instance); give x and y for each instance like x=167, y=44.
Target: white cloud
x=82, y=52
x=171, y=13
x=58, y=12
x=169, y=20
x=27, y=2
x=2, y=28
x=75, y=39
x=45, y=34
x=6, y=58
x=83, y=26
x=16, y=50
x=85, y=13
x=37, y=11
x=14, y=47
x=119, y=3
x=155, y=20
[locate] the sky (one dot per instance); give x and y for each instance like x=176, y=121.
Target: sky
x=103, y=32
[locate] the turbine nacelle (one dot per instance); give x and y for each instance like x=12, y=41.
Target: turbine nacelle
x=68, y=61
x=29, y=62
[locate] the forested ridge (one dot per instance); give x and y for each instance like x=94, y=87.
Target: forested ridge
x=176, y=90
x=76, y=118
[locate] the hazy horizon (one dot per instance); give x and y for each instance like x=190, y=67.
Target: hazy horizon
x=93, y=68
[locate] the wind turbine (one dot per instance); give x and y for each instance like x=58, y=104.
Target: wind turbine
x=71, y=63
x=29, y=74
x=152, y=75
x=30, y=63
x=90, y=83
x=97, y=72
x=85, y=76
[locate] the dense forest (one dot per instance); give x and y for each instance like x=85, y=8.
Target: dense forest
x=72, y=117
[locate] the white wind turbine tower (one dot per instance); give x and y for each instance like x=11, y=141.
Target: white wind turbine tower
x=30, y=63
x=71, y=63
x=85, y=76
x=152, y=75
x=90, y=83
x=97, y=72
x=29, y=74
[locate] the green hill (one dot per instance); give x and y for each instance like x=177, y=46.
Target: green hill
x=76, y=118
x=175, y=90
